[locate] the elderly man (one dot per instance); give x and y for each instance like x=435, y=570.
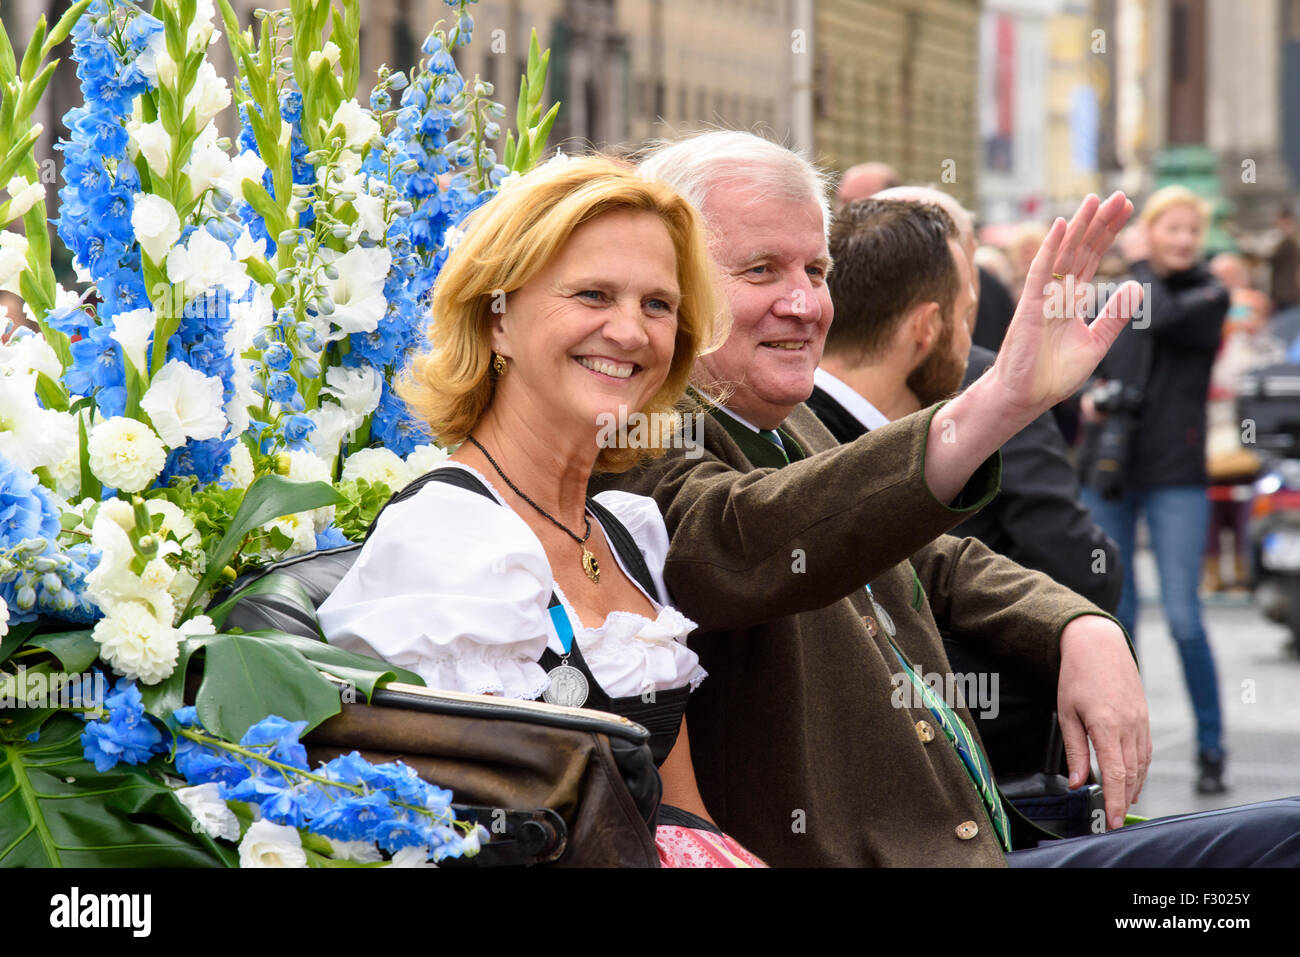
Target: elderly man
x=816, y=741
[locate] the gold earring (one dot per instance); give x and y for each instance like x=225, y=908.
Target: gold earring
x=499, y=364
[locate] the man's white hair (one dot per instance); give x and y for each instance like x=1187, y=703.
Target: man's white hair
x=697, y=165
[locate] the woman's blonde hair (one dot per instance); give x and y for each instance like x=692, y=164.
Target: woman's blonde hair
x=1163, y=200
x=508, y=242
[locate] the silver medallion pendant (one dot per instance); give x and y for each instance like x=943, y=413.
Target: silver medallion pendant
x=882, y=616
x=568, y=687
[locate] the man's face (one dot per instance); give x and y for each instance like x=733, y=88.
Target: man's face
x=772, y=257
x=940, y=373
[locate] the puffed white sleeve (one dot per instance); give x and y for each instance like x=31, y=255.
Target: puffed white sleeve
x=452, y=586
x=640, y=515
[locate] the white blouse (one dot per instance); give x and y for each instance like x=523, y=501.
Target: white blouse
x=455, y=588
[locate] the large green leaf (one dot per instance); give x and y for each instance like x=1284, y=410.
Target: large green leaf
x=75, y=649
x=247, y=678
x=268, y=498
x=56, y=810
x=364, y=672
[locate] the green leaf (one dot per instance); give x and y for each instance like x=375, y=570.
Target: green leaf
x=15, y=638
x=90, y=487
x=364, y=672
x=64, y=27
x=76, y=650
x=273, y=584
x=56, y=810
x=169, y=694
x=247, y=678
x=33, y=54
x=51, y=394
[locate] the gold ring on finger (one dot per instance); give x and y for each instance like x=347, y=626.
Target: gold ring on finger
x=1057, y=276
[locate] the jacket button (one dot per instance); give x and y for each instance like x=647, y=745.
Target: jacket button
x=967, y=829
x=872, y=628
x=924, y=731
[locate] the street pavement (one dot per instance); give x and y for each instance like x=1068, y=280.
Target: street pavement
x=1259, y=686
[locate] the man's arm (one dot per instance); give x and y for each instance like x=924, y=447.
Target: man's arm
x=749, y=545
x=1027, y=619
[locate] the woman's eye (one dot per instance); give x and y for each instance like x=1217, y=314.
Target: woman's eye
x=658, y=305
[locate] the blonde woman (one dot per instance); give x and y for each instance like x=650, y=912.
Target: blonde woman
x=1144, y=441
x=576, y=302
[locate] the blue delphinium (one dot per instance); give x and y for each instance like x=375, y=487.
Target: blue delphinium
x=35, y=575
x=347, y=799
x=127, y=735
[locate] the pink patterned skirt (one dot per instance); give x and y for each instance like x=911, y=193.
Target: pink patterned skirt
x=685, y=840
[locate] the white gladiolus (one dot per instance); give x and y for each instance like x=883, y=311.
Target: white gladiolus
x=153, y=140
x=359, y=125
x=246, y=166
x=26, y=352
x=206, y=263
x=112, y=583
x=358, y=292
x=363, y=852
x=209, y=165
x=271, y=845
x=32, y=437
x=332, y=423
x=157, y=226
x=211, y=814
x=13, y=259
x=137, y=644
x=411, y=857
x=132, y=331
x=183, y=403
x=209, y=96
x=125, y=454
x=23, y=195
x=327, y=54
x=358, y=390
x=377, y=465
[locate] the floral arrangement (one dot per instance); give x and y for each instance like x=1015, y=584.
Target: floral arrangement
x=214, y=396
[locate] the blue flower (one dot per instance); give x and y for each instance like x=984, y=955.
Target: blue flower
x=127, y=736
x=277, y=739
x=331, y=537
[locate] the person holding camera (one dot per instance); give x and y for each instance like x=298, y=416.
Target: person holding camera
x=1143, y=448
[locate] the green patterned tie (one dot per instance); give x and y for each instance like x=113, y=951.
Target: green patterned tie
x=967, y=747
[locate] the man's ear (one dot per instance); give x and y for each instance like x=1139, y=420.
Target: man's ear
x=924, y=326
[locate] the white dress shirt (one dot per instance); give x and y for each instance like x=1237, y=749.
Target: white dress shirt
x=853, y=403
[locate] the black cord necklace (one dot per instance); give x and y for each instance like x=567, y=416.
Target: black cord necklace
x=589, y=565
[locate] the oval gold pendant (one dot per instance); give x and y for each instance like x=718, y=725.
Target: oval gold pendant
x=590, y=566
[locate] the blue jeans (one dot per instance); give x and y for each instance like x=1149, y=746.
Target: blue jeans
x=1177, y=517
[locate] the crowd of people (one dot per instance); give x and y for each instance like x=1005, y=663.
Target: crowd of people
x=768, y=593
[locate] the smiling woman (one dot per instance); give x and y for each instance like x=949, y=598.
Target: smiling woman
x=579, y=295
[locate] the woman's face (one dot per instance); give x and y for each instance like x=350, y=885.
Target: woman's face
x=1175, y=238
x=593, y=333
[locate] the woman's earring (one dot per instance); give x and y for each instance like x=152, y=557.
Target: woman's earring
x=499, y=364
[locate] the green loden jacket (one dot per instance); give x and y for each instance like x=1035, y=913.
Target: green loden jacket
x=802, y=748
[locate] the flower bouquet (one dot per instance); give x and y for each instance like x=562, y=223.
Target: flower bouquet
x=213, y=396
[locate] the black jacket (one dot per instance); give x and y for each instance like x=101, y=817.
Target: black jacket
x=1036, y=519
x=1179, y=332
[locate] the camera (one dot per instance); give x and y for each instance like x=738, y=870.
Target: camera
x=1120, y=403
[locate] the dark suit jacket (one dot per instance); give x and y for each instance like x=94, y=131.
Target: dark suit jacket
x=802, y=749
x=1036, y=519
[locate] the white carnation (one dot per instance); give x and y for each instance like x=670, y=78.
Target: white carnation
x=378, y=465
x=137, y=644
x=125, y=454
x=183, y=403
x=238, y=472
x=271, y=845
x=425, y=458
x=211, y=815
